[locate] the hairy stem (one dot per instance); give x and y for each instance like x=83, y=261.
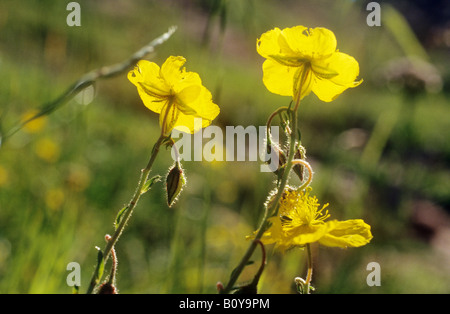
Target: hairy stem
x=310, y=268
x=131, y=205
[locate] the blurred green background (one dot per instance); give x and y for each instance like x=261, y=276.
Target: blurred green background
x=380, y=151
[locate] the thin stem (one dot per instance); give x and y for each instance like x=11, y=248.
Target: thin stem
x=310, y=268
x=112, y=276
x=272, y=207
x=132, y=204
x=273, y=115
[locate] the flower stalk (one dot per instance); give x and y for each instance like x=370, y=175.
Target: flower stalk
x=129, y=210
x=310, y=269
x=272, y=208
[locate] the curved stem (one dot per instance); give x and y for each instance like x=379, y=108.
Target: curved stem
x=310, y=171
x=273, y=115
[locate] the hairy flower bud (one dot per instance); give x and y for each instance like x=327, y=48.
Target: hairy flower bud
x=107, y=288
x=298, y=169
x=174, y=183
x=277, y=152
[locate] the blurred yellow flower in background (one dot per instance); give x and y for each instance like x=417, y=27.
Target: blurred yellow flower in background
x=178, y=96
x=54, y=198
x=34, y=125
x=47, y=149
x=4, y=176
x=300, y=221
x=301, y=60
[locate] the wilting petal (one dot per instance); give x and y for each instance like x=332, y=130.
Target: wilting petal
x=348, y=233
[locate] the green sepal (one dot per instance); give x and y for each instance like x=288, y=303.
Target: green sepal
x=119, y=217
x=147, y=185
x=100, y=265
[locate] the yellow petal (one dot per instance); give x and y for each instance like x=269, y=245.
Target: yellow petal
x=151, y=87
x=344, y=70
x=267, y=44
x=348, y=233
x=205, y=109
x=313, y=44
x=188, y=79
x=171, y=70
x=186, y=99
x=274, y=233
x=278, y=78
x=304, y=234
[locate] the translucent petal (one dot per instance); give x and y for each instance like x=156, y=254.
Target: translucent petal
x=327, y=88
x=188, y=79
x=304, y=234
x=146, y=72
x=187, y=97
x=205, y=109
x=171, y=70
x=278, y=78
x=313, y=44
x=348, y=233
x=267, y=44
x=151, y=87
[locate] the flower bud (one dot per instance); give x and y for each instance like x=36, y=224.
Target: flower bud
x=174, y=183
x=298, y=169
x=274, y=150
x=107, y=288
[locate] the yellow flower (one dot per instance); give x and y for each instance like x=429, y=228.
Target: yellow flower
x=4, y=176
x=54, y=198
x=33, y=126
x=304, y=60
x=178, y=96
x=300, y=221
x=47, y=149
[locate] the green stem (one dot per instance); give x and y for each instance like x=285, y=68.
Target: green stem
x=126, y=216
x=310, y=268
x=272, y=208
x=269, y=212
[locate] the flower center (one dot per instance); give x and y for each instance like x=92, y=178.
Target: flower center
x=300, y=209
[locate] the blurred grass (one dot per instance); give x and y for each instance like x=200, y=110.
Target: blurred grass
x=62, y=184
